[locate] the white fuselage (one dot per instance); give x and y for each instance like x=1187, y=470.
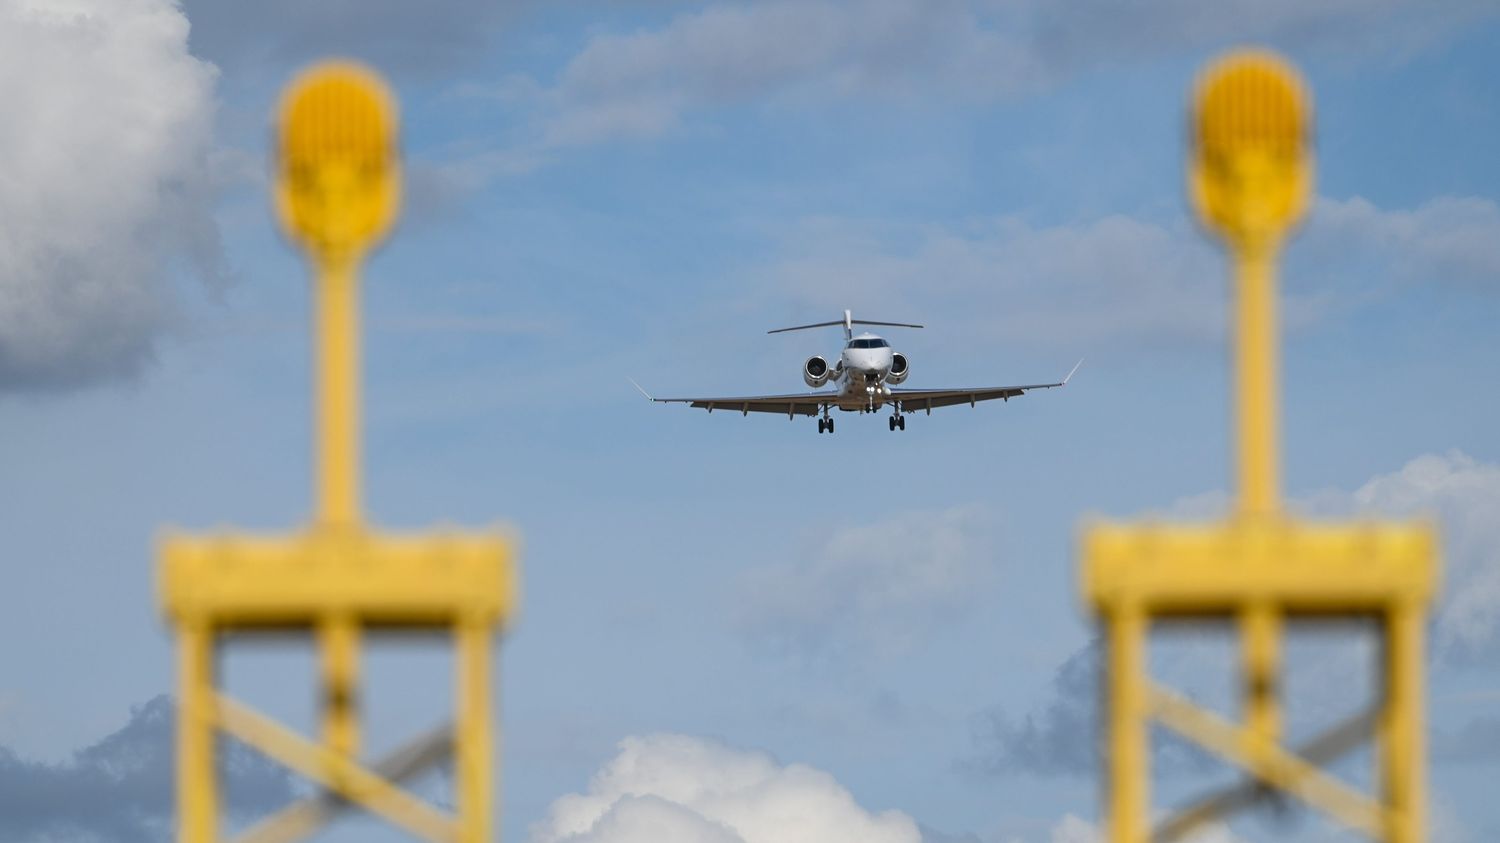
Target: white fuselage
x=863, y=367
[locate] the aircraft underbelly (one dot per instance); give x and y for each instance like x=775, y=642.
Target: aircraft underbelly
x=854, y=397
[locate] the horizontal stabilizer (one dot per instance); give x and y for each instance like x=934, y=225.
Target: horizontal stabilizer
x=841, y=322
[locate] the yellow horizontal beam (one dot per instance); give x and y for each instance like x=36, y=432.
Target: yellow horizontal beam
x=1267, y=761
x=334, y=771
x=1292, y=565
x=243, y=580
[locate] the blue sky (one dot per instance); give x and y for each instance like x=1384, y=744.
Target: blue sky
x=774, y=622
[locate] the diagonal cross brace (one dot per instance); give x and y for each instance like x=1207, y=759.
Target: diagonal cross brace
x=306, y=816
x=1323, y=748
x=334, y=771
x=1267, y=761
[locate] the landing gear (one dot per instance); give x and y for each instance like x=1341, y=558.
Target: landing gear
x=897, y=422
x=825, y=424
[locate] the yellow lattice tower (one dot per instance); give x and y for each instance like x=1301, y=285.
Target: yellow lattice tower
x=1249, y=178
x=337, y=191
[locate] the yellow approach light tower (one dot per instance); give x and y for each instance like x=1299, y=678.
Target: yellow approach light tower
x=337, y=189
x=1250, y=176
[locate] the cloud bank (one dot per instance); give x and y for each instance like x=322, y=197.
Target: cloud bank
x=104, y=189
x=879, y=587
x=400, y=36
x=119, y=790
x=643, y=83
x=1060, y=737
x=680, y=789
x=1122, y=279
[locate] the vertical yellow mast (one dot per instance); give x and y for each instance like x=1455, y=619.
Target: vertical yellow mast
x=1249, y=176
x=337, y=187
x=338, y=184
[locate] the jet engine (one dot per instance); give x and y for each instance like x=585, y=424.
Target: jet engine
x=815, y=371
x=899, y=369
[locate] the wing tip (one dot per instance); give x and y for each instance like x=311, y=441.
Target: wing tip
x=641, y=391
x=1072, y=371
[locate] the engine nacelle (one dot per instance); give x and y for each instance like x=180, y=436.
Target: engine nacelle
x=899, y=369
x=816, y=371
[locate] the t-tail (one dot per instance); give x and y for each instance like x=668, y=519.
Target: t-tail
x=848, y=322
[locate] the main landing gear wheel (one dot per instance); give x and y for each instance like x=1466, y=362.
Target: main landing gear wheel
x=897, y=421
x=825, y=425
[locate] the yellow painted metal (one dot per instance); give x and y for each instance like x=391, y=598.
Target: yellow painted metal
x=305, y=816
x=1267, y=760
x=338, y=176
x=337, y=190
x=1130, y=747
x=1402, y=741
x=335, y=770
x=474, y=753
x=1249, y=177
x=197, y=800
x=337, y=395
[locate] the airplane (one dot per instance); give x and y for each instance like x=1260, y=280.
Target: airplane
x=864, y=377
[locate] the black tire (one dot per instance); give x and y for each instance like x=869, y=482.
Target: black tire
x=901, y=422
x=830, y=425
x=891, y=422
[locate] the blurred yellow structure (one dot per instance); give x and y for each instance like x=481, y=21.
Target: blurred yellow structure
x=337, y=192
x=1249, y=178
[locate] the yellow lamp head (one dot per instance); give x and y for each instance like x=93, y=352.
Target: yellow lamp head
x=1251, y=170
x=338, y=177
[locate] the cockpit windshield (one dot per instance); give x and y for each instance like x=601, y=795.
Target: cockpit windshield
x=875, y=342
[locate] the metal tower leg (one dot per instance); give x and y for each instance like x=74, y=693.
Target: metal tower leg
x=1129, y=764
x=197, y=783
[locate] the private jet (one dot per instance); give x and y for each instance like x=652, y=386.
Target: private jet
x=864, y=380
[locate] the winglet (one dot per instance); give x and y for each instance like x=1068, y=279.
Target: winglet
x=1064, y=380
x=641, y=391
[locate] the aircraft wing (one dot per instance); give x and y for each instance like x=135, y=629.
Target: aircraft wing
x=928, y=399
x=797, y=404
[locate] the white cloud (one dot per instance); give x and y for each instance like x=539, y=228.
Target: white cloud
x=396, y=35
x=643, y=83
x=680, y=789
x=1450, y=238
x=103, y=184
x=1073, y=829
x=1328, y=672
x=1121, y=278
x=1464, y=495
x=882, y=585
x=639, y=83
x=1111, y=278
